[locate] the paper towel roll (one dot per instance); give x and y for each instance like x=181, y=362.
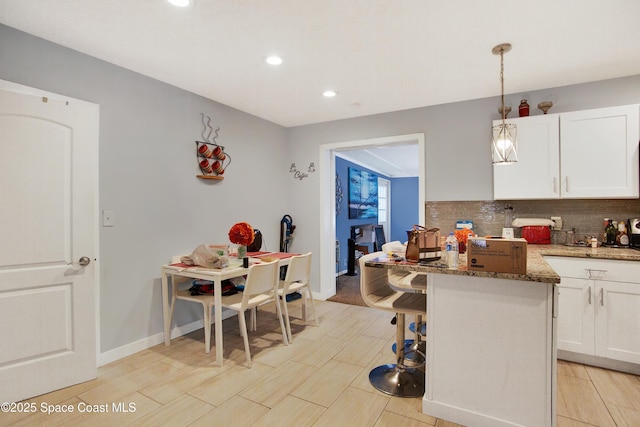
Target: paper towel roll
x=521, y=222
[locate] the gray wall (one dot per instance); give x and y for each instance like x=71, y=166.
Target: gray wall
x=148, y=168
x=458, y=156
x=457, y=137
x=148, y=176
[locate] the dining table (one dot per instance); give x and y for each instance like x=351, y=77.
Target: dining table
x=234, y=269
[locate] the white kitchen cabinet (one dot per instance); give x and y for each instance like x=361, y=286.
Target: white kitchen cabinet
x=535, y=175
x=599, y=308
x=582, y=154
x=576, y=315
x=599, y=152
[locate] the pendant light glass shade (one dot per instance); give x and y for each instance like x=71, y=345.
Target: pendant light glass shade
x=504, y=144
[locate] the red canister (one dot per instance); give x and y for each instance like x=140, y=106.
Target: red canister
x=523, y=109
x=537, y=234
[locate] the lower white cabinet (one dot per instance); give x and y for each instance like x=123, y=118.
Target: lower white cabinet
x=599, y=307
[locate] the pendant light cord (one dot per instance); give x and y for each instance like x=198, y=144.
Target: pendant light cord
x=502, y=83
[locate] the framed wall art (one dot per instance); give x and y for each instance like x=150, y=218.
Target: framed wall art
x=363, y=194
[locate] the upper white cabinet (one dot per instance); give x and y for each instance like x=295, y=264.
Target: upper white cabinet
x=599, y=152
x=535, y=175
x=583, y=154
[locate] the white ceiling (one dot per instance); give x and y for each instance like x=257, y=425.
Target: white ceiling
x=394, y=161
x=380, y=55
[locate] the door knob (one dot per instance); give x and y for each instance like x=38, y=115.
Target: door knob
x=83, y=261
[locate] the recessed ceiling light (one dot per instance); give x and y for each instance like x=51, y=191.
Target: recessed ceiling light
x=329, y=93
x=180, y=3
x=273, y=60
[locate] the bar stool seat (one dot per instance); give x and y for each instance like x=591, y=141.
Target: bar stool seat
x=394, y=379
x=408, y=281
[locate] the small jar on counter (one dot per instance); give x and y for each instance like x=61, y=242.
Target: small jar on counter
x=523, y=109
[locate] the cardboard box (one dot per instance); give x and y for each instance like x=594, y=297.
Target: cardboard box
x=497, y=255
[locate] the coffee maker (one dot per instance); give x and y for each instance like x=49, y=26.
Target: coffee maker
x=633, y=227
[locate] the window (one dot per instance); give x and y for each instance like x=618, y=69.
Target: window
x=384, y=198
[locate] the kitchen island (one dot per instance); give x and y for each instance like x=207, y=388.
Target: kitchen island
x=491, y=338
x=491, y=356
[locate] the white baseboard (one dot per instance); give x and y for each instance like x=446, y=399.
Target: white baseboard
x=340, y=273
x=153, y=340
x=601, y=362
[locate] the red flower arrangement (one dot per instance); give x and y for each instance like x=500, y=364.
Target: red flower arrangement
x=241, y=234
x=463, y=234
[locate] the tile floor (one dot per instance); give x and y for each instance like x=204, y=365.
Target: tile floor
x=321, y=379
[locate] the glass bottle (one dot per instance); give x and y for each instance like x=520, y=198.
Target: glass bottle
x=523, y=109
x=611, y=232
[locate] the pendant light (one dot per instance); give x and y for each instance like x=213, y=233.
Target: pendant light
x=504, y=145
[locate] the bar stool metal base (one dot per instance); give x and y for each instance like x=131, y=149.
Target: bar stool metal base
x=414, y=352
x=389, y=379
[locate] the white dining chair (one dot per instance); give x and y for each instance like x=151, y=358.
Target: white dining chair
x=297, y=280
x=261, y=287
x=207, y=302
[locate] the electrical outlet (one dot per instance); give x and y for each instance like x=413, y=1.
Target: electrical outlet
x=558, y=221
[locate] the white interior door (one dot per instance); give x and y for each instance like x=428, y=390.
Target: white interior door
x=48, y=218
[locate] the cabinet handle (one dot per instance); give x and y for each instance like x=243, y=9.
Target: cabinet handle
x=589, y=295
x=555, y=185
x=600, y=274
x=566, y=184
x=601, y=297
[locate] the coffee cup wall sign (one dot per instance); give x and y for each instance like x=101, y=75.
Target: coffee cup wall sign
x=212, y=158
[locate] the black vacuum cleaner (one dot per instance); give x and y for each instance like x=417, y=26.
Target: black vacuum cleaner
x=286, y=230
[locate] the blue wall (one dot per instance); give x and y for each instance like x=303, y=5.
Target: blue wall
x=404, y=209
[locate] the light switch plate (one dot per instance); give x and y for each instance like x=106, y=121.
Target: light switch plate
x=558, y=221
x=108, y=218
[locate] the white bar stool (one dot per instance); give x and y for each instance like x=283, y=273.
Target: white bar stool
x=394, y=379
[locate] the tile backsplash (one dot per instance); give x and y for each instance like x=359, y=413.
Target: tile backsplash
x=585, y=216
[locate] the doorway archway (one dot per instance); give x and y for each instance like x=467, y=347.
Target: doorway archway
x=327, y=224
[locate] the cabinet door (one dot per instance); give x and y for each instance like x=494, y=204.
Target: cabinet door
x=536, y=174
x=599, y=152
x=617, y=320
x=576, y=315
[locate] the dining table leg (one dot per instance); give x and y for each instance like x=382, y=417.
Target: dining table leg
x=166, y=309
x=217, y=300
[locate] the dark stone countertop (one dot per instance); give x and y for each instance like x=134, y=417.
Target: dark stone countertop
x=538, y=270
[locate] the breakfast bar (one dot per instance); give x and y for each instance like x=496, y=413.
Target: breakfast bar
x=491, y=355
